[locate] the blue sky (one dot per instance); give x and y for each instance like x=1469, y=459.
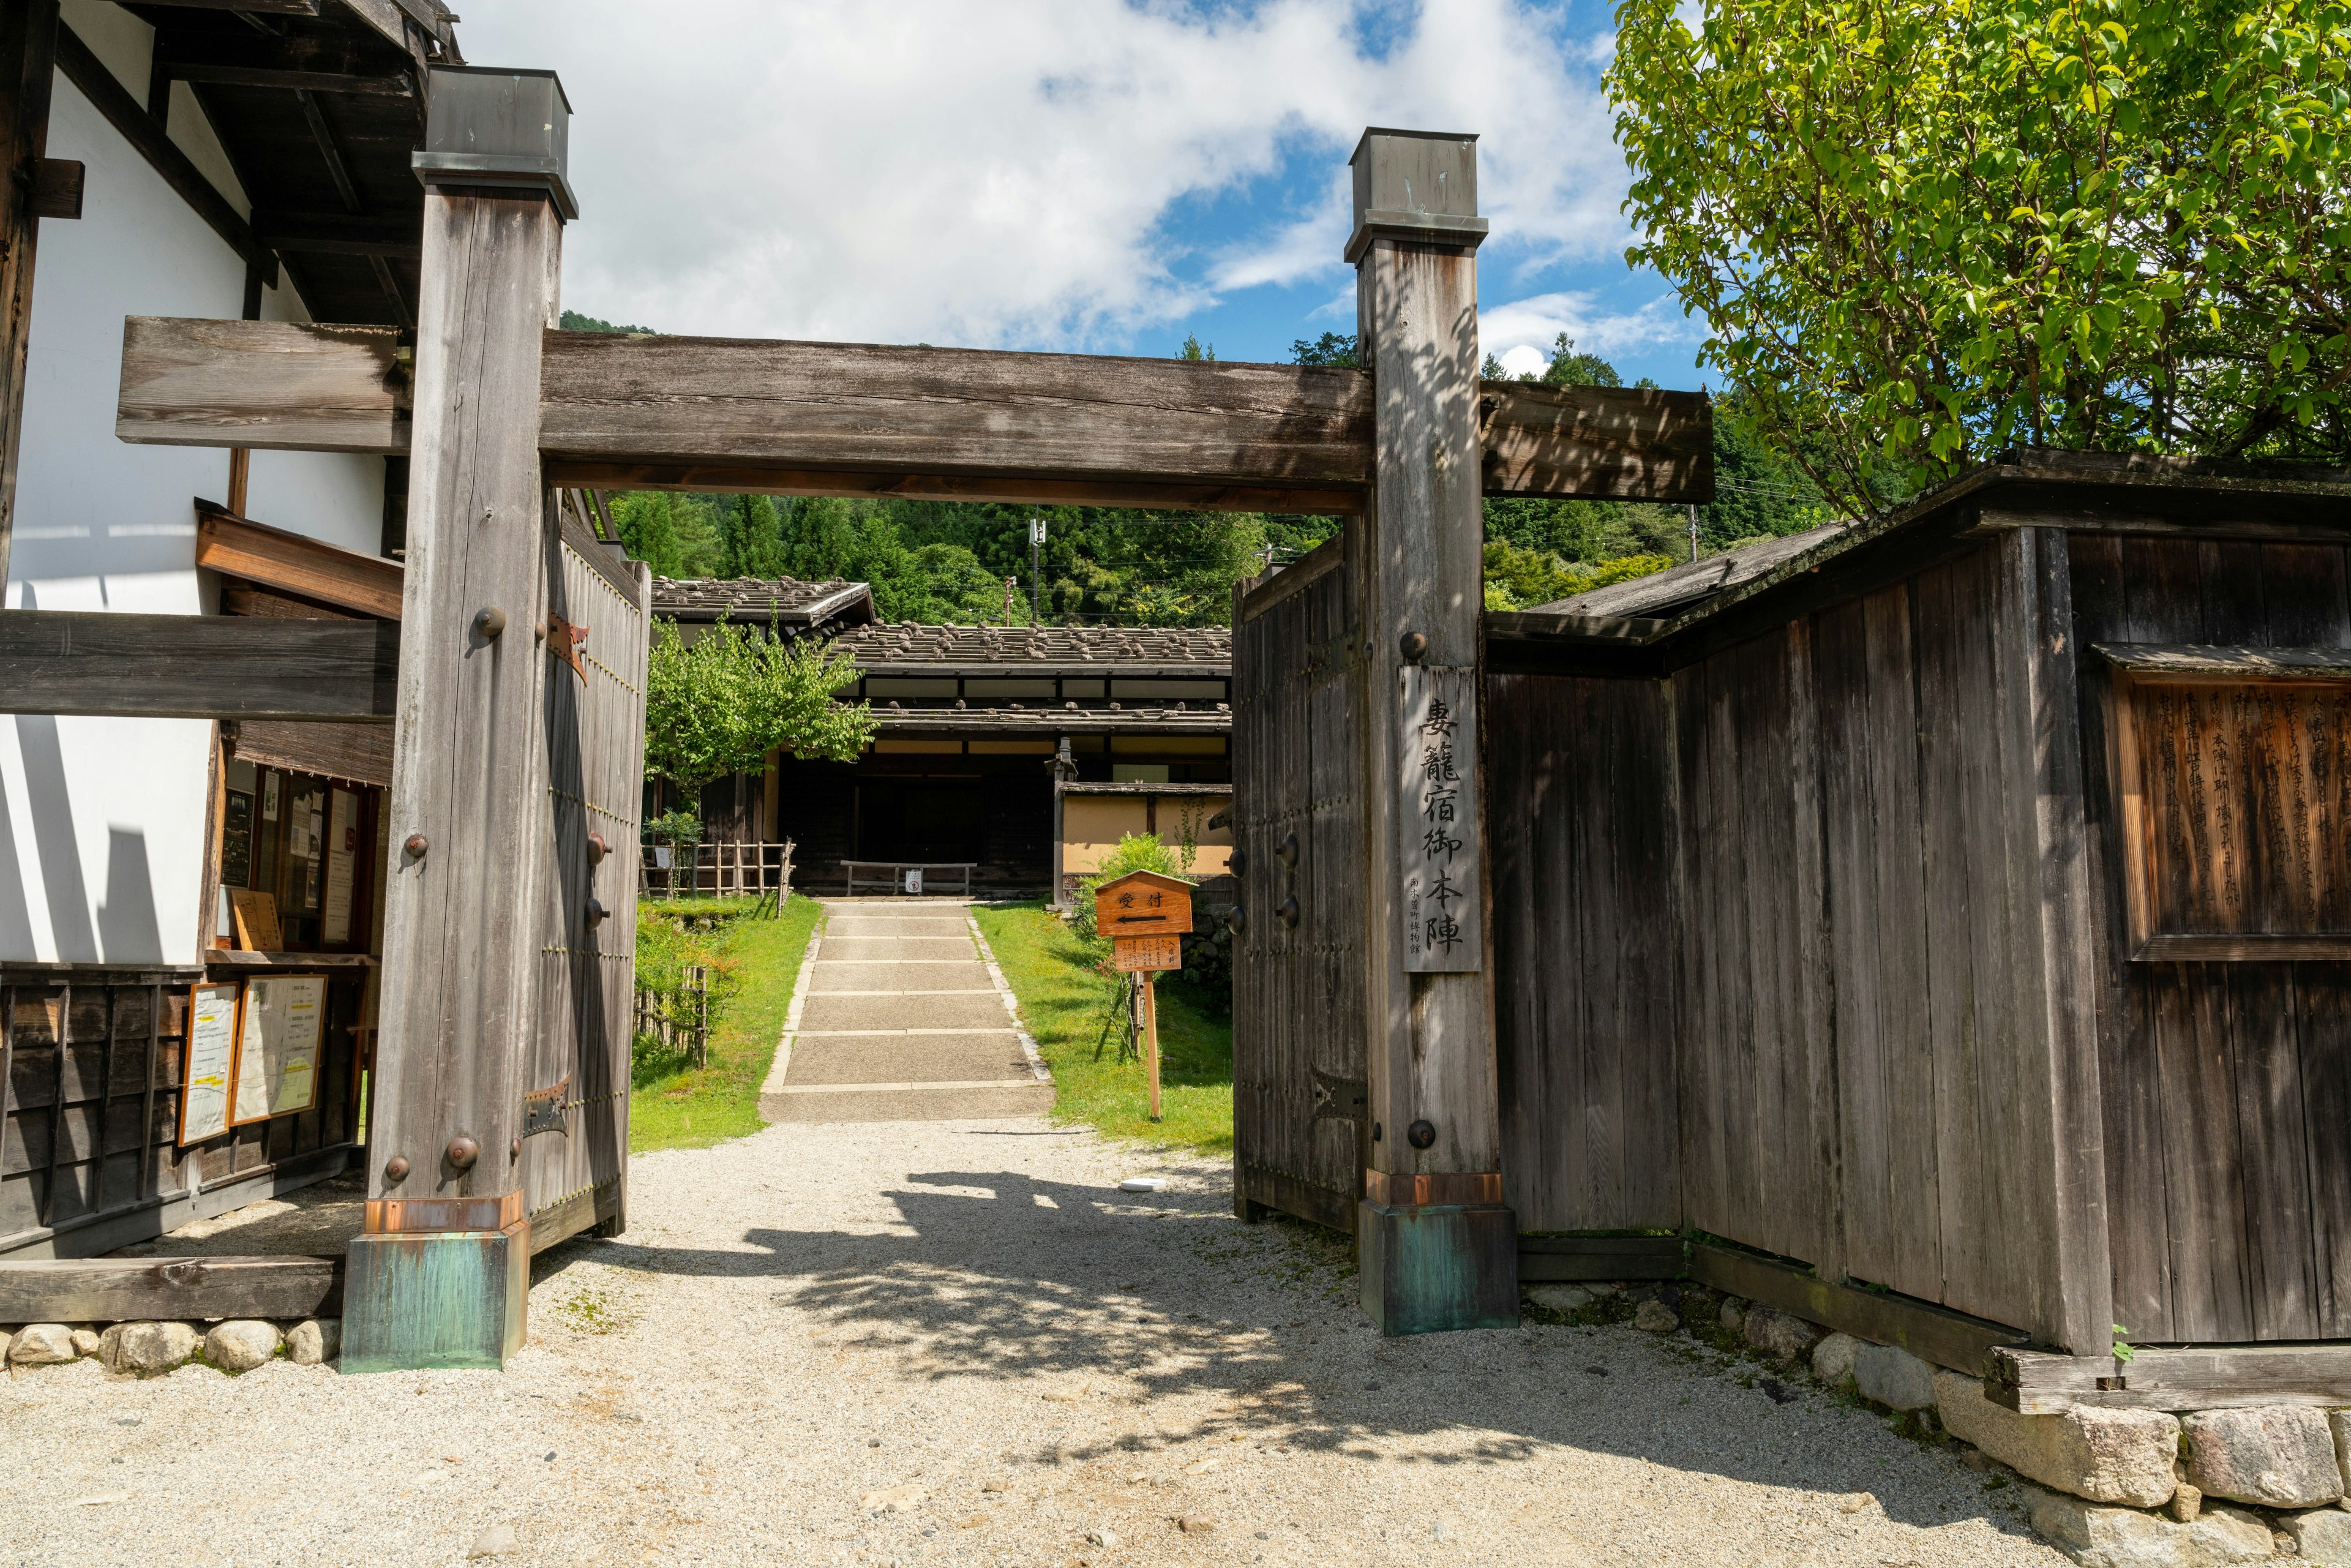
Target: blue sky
x=1091, y=176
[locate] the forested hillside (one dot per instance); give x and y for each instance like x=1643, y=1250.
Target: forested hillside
x=948, y=562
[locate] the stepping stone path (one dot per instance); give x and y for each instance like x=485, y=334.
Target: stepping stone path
x=900, y=1015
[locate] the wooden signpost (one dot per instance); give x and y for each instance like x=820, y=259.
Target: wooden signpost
x=1146, y=915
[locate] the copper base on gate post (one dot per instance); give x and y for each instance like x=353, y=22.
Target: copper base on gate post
x=1437, y=1252
x=437, y=1282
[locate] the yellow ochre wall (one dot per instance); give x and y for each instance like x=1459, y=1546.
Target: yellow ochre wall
x=1091, y=826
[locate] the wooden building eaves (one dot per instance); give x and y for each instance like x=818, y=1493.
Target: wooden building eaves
x=1043, y=722
x=1767, y=584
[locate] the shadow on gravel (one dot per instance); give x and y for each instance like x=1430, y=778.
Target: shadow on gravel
x=1135, y=1295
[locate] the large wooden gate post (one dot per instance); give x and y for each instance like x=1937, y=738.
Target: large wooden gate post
x=1438, y=1246
x=440, y=1277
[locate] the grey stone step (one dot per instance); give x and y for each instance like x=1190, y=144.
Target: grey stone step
x=909, y=1102
x=907, y=1059
x=970, y=1009
x=895, y=975
x=836, y=950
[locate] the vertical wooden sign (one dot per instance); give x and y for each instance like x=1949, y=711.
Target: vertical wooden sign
x=1437, y=852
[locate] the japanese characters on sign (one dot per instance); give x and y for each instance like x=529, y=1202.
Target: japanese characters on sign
x=1442, y=905
x=1130, y=954
x=1143, y=904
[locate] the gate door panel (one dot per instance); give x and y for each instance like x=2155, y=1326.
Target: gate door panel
x=1300, y=1136
x=575, y=1147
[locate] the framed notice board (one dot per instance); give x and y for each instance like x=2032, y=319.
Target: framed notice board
x=211, y=1060
x=279, y=1033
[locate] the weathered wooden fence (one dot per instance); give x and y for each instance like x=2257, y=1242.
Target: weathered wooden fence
x=678, y=1021
x=725, y=869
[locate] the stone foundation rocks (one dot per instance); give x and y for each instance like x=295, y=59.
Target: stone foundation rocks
x=314, y=1340
x=42, y=1344
x=1894, y=1377
x=1656, y=1318
x=1779, y=1335
x=2105, y=1456
x=1832, y=1359
x=2280, y=1456
x=143, y=1350
x=2323, y=1534
x=241, y=1344
x=2099, y=1537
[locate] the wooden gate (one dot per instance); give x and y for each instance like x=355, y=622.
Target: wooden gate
x=1300, y=1128
x=575, y=1133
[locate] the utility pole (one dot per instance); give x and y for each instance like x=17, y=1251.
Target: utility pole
x=1693, y=517
x=1010, y=584
x=1036, y=569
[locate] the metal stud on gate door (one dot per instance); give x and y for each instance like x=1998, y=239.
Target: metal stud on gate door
x=395, y=1169
x=463, y=1152
x=1239, y=863
x=1288, y=910
x=490, y=622
x=596, y=912
x=1414, y=646
x=416, y=846
x=1420, y=1135
x=1236, y=920
x=1287, y=850
x=597, y=848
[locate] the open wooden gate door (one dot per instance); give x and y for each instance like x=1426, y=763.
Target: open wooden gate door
x=575, y=1131
x=1301, y=1130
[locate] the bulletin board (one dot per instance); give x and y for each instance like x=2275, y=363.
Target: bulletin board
x=211, y=1060
x=280, y=1029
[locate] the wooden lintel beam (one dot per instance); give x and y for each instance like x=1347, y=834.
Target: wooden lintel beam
x=638, y=411
x=1626, y=442
x=396, y=85
x=197, y=666
x=747, y=479
x=255, y=7
x=123, y=1289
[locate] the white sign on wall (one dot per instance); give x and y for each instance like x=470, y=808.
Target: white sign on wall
x=1436, y=820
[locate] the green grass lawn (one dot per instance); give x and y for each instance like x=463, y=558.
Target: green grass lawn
x=1061, y=1001
x=753, y=964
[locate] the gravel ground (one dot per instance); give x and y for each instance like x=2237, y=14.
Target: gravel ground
x=968, y=1319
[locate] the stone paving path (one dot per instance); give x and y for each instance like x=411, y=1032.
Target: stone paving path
x=901, y=1014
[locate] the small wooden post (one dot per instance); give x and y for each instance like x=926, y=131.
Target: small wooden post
x=1438, y=1249
x=1151, y=1034
x=29, y=36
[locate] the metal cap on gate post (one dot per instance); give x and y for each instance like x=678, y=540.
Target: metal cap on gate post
x=484, y=126
x=1415, y=185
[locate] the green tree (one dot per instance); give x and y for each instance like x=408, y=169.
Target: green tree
x=1194, y=349
x=1333, y=348
x=573, y=321
x=1927, y=230
x=718, y=705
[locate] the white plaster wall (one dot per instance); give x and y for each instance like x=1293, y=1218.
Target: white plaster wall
x=102, y=829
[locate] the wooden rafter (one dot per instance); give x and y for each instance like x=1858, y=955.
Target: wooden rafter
x=296, y=564
x=648, y=412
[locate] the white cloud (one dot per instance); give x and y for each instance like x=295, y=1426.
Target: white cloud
x=1018, y=172
x=1521, y=333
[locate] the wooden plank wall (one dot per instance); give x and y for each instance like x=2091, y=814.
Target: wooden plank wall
x=1584, y=954
x=1777, y=922
x=2225, y=1086
x=595, y=737
x=89, y=1119
x=1298, y=992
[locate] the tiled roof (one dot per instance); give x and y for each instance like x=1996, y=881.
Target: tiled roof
x=1055, y=718
x=891, y=643
x=748, y=599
